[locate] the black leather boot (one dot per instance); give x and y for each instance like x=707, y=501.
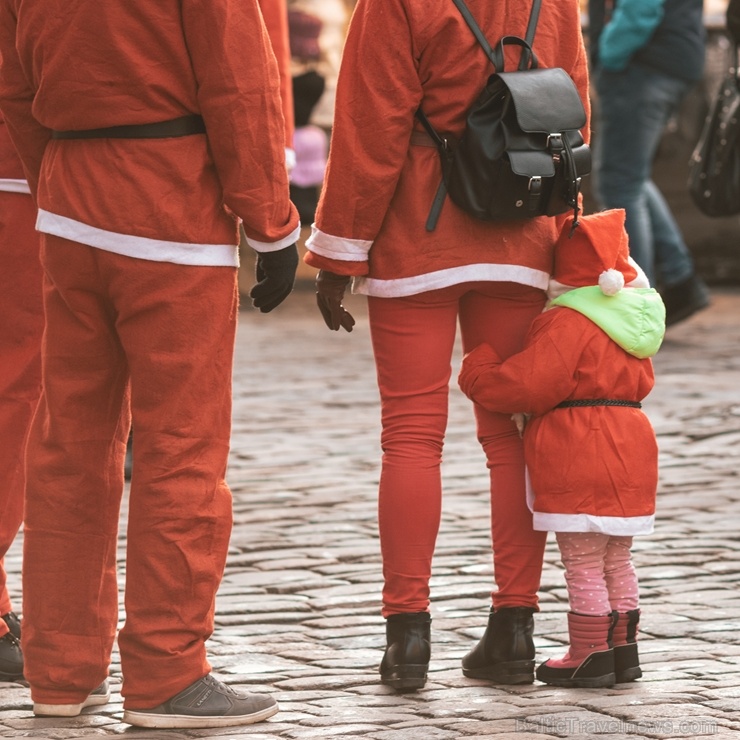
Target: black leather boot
x=408, y=649
x=505, y=653
x=14, y=624
x=626, y=657
x=11, y=658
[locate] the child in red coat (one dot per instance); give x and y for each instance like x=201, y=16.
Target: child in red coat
x=591, y=453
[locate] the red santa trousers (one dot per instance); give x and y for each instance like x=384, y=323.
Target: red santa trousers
x=21, y=327
x=413, y=339
x=157, y=338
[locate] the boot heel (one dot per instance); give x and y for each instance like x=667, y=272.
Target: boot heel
x=505, y=653
x=626, y=656
x=627, y=663
x=513, y=672
x=408, y=649
x=406, y=677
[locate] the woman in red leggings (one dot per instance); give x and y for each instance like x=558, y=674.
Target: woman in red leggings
x=382, y=177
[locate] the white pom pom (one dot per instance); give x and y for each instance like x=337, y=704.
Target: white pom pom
x=611, y=282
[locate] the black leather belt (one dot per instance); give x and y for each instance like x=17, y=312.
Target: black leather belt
x=184, y=126
x=598, y=402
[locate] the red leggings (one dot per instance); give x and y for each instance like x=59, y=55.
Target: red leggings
x=413, y=339
x=21, y=326
x=156, y=338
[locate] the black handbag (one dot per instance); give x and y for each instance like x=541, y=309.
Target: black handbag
x=522, y=154
x=714, y=168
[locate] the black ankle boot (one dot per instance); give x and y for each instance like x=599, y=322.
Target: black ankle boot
x=14, y=624
x=505, y=653
x=11, y=658
x=408, y=649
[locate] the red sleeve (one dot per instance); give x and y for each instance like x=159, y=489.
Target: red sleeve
x=16, y=99
x=532, y=381
x=338, y=267
x=239, y=98
x=378, y=91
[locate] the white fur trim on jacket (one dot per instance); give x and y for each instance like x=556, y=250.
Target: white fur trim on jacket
x=8, y=185
x=337, y=247
x=614, y=525
x=156, y=250
x=286, y=241
x=452, y=276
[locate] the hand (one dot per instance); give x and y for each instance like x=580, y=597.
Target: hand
x=520, y=421
x=275, y=272
x=329, y=294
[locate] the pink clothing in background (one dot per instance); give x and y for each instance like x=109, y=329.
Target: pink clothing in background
x=311, y=145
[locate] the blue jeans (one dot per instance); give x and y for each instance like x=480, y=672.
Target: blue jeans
x=634, y=108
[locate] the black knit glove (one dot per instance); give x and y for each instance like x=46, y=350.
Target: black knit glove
x=329, y=295
x=275, y=272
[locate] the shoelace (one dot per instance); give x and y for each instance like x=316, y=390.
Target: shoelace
x=220, y=685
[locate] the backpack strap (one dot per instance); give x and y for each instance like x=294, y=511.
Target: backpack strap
x=497, y=59
x=495, y=56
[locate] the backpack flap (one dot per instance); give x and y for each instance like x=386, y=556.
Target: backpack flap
x=545, y=100
x=531, y=163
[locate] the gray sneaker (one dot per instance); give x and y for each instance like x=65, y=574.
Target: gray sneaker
x=205, y=703
x=95, y=698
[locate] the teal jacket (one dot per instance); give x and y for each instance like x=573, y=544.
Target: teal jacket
x=667, y=35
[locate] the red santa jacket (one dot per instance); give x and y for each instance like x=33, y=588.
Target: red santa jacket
x=370, y=222
x=592, y=468
x=73, y=64
x=12, y=178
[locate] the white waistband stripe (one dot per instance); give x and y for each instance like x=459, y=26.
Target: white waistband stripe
x=9, y=185
x=451, y=276
x=157, y=250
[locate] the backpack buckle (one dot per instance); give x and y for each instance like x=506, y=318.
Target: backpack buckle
x=555, y=143
x=535, y=193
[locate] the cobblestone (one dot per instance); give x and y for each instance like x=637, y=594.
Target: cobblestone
x=298, y=611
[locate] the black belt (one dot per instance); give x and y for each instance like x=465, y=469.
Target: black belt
x=185, y=126
x=599, y=402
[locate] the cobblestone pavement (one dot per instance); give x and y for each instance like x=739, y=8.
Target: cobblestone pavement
x=298, y=612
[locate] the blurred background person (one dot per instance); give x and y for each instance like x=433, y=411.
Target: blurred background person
x=645, y=57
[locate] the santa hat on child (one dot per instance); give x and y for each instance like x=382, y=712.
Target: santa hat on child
x=595, y=253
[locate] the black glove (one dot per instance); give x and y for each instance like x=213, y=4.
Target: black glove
x=329, y=294
x=275, y=273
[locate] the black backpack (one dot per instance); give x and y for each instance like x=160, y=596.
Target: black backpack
x=522, y=154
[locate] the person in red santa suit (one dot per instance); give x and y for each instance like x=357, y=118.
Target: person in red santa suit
x=275, y=15
x=382, y=176
x=146, y=132
x=591, y=452
x=20, y=370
